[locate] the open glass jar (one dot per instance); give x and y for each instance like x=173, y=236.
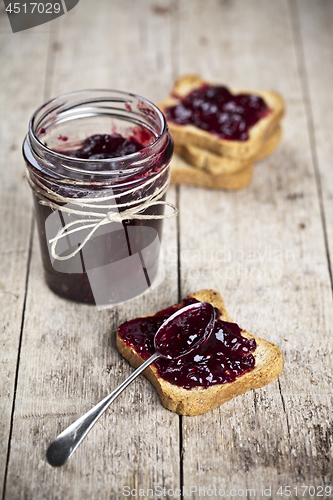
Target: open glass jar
x=99, y=220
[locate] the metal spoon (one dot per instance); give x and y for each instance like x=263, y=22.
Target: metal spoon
x=170, y=343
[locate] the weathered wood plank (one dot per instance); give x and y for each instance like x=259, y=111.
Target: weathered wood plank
x=69, y=360
x=263, y=249
x=314, y=41
x=22, y=87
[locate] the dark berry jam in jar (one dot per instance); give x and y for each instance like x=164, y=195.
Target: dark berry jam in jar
x=98, y=163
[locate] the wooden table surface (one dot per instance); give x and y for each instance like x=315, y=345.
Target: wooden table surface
x=267, y=249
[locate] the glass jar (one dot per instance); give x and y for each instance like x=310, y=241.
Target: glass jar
x=99, y=220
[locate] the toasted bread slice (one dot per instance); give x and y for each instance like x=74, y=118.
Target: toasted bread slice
x=190, y=134
x=221, y=165
x=198, y=400
x=184, y=173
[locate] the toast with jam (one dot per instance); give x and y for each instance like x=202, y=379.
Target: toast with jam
x=231, y=362
x=198, y=167
x=226, y=123
x=182, y=172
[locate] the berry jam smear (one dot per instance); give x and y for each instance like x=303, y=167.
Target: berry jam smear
x=216, y=110
x=225, y=356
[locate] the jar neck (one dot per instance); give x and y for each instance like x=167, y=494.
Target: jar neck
x=47, y=167
x=76, y=115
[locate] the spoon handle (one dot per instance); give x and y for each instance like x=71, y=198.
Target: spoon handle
x=66, y=443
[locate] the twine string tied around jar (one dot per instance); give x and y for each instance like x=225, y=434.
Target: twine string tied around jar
x=56, y=201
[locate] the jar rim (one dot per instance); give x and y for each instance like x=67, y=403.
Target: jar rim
x=134, y=159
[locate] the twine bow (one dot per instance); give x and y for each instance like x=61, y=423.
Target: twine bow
x=51, y=198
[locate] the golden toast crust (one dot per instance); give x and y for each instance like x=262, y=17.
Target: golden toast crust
x=189, y=134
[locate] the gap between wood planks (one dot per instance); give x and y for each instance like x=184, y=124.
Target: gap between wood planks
x=49, y=72
x=300, y=58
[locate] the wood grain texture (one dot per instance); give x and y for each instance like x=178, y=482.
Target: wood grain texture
x=17, y=102
x=313, y=36
x=263, y=249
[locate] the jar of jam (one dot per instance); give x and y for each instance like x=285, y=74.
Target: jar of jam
x=98, y=163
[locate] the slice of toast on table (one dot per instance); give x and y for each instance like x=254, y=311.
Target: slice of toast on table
x=198, y=400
